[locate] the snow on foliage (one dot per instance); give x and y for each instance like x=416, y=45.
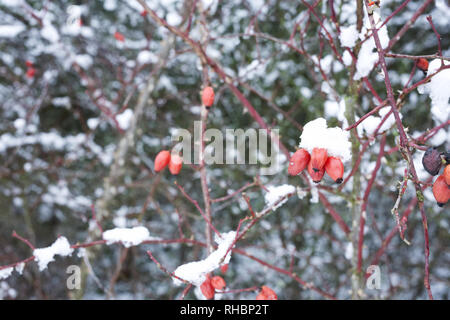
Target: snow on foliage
x=124, y=119
x=5, y=273
x=146, y=56
x=195, y=272
x=368, y=55
x=10, y=31
x=371, y=123
x=43, y=256
x=127, y=236
x=316, y=134
x=335, y=109
x=348, y=36
x=276, y=193
x=19, y=267
x=438, y=89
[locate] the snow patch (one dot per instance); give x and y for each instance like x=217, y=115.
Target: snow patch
x=370, y=124
x=10, y=31
x=368, y=55
x=19, y=267
x=276, y=193
x=146, y=56
x=44, y=256
x=50, y=33
x=127, y=236
x=5, y=273
x=348, y=36
x=195, y=272
x=316, y=134
x=438, y=89
x=124, y=119
x=347, y=58
x=335, y=109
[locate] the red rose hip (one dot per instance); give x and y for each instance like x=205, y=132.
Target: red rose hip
x=298, y=162
x=422, y=64
x=175, y=164
x=318, y=158
x=218, y=283
x=447, y=174
x=267, y=294
x=208, y=97
x=335, y=169
x=441, y=191
x=316, y=176
x=207, y=289
x=162, y=160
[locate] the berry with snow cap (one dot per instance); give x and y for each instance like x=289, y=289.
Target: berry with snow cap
x=441, y=191
x=298, y=162
x=208, y=97
x=334, y=140
x=316, y=176
x=335, y=169
x=175, y=164
x=318, y=158
x=162, y=160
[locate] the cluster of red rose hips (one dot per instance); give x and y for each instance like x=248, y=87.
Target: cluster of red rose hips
x=174, y=161
x=119, y=37
x=211, y=284
x=432, y=161
x=164, y=158
x=317, y=163
x=31, y=70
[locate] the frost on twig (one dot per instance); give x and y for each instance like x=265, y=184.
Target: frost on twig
x=195, y=272
x=44, y=256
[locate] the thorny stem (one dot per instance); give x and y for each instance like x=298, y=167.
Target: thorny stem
x=404, y=148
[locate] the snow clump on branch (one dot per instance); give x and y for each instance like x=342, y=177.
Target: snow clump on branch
x=316, y=134
x=277, y=193
x=43, y=256
x=438, y=89
x=195, y=272
x=127, y=236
